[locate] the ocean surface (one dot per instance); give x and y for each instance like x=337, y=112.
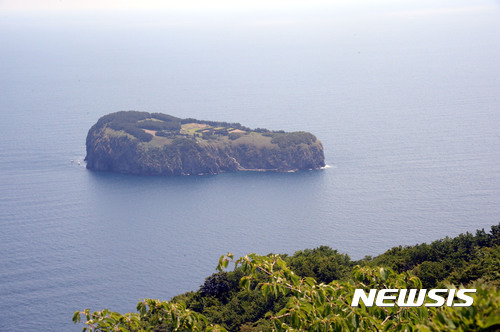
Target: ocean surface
x=404, y=97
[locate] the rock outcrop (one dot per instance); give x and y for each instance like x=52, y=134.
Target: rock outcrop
x=157, y=144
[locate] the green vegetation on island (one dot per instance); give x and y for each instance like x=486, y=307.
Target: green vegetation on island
x=160, y=144
x=312, y=290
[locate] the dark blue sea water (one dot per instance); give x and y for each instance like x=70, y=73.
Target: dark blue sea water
x=406, y=100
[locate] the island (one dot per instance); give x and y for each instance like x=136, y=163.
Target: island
x=145, y=143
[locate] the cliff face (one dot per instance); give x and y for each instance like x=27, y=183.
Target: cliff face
x=186, y=151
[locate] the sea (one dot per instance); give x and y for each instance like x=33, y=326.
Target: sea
x=404, y=96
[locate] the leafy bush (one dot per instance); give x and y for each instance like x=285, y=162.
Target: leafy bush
x=216, y=285
x=292, y=139
x=166, y=133
x=216, y=124
x=323, y=264
x=159, y=125
x=134, y=123
x=165, y=117
x=444, y=258
x=152, y=315
x=235, y=136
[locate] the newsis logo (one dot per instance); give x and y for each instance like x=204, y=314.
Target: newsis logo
x=391, y=297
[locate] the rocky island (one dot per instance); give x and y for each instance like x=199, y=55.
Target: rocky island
x=145, y=143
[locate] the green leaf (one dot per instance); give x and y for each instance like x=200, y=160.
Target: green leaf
x=76, y=317
x=310, y=281
x=245, y=282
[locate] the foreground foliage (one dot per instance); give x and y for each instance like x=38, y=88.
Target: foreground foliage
x=313, y=289
x=316, y=306
x=153, y=315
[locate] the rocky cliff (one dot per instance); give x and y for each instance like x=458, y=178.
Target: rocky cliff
x=158, y=144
